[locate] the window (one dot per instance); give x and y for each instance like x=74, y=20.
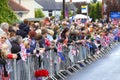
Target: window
x=50, y=13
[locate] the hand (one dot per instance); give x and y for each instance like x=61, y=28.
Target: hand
x=42, y=50
x=78, y=41
x=65, y=45
x=14, y=56
x=73, y=42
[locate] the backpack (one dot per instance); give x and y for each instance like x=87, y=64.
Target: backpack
x=15, y=47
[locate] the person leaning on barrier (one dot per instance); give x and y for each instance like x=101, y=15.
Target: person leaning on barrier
x=15, y=42
x=31, y=42
x=4, y=58
x=4, y=27
x=3, y=62
x=42, y=41
x=3, y=38
x=65, y=36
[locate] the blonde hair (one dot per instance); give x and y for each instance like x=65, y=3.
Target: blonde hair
x=2, y=54
x=3, y=50
x=51, y=32
x=38, y=31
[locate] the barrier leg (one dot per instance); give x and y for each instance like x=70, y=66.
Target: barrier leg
x=14, y=63
x=29, y=76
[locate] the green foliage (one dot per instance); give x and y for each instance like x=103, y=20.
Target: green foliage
x=39, y=13
x=70, y=13
x=99, y=10
x=94, y=1
x=61, y=17
x=52, y=17
x=6, y=13
x=95, y=11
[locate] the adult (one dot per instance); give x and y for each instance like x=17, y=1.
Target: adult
x=23, y=29
x=4, y=29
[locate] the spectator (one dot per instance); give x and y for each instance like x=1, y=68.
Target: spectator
x=50, y=35
x=23, y=29
x=4, y=28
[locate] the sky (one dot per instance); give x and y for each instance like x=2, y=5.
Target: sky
x=75, y=0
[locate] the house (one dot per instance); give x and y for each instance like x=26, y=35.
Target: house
x=53, y=8
x=24, y=8
x=18, y=9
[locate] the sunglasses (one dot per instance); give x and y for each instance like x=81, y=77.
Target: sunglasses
x=3, y=38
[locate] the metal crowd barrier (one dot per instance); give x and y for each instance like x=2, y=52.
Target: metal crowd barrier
x=72, y=59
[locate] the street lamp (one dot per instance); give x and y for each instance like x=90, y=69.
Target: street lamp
x=64, y=9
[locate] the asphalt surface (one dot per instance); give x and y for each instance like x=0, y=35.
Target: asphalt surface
x=107, y=68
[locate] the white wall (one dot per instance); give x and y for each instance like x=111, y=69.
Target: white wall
x=56, y=13
x=46, y=13
x=29, y=4
x=23, y=16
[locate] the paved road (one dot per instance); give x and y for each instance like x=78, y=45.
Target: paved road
x=107, y=68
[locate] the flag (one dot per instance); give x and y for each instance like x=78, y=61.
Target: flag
x=66, y=12
x=61, y=56
x=73, y=51
x=23, y=52
x=107, y=39
x=118, y=33
x=59, y=48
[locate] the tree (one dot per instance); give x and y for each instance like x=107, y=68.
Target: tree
x=99, y=10
x=92, y=11
x=39, y=13
x=6, y=13
x=95, y=11
x=70, y=13
x=94, y=1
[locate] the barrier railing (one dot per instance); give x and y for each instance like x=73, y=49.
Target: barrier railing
x=56, y=62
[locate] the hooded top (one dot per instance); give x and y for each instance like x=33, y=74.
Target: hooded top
x=23, y=30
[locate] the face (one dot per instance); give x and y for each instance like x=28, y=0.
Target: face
x=58, y=30
x=45, y=35
x=3, y=38
x=6, y=30
x=67, y=33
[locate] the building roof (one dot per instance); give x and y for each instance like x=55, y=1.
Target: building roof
x=16, y=7
x=36, y=5
x=53, y=5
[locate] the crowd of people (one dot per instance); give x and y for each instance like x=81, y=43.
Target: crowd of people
x=19, y=41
